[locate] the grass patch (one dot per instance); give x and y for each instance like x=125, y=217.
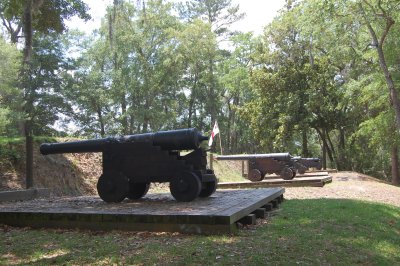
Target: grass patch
x=10, y=147
x=228, y=171
x=322, y=231
x=21, y=140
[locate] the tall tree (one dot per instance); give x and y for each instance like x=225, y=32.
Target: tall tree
x=32, y=16
x=128, y=79
x=220, y=15
x=9, y=94
x=148, y=69
x=236, y=91
x=89, y=90
x=373, y=27
x=197, y=43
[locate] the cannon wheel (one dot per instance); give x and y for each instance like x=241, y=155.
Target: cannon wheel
x=137, y=190
x=294, y=171
x=113, y=187
x=302, y=169
x=208, y=188
x=185, y=187
x=255, y=175
x=286, y=173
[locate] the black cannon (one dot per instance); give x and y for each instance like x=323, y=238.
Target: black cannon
x=309, y=162
x=258, y=165
x=131, y=163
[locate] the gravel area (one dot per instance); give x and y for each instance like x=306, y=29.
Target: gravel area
x=349, y=185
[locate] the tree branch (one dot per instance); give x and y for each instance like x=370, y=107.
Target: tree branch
x=389, y=24
x=370, y=6
x=371, y=30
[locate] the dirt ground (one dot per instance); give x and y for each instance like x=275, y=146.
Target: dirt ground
x=72, y=174
x=350, y=185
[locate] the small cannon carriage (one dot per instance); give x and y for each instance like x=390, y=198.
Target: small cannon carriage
x=309, y=162
x=258, y=165
x=132, y=162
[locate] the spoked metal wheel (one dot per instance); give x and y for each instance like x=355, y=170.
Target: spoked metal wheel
x=113, y=187
x=255, y=175
x=137, y=190
x=302, y=169
x=185, y=187
x=208, y=188
x=293, y=171
x=286, y=173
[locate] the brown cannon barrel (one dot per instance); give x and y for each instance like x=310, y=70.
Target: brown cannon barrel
x=311, y=162
x=284, y=156
x=181, y=139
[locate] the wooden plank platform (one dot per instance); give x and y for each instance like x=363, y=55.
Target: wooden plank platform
x=303, y=181
x=217, y=214
x=313, y=174
x=327, y=170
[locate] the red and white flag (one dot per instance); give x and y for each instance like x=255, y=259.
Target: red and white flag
x=214, y=132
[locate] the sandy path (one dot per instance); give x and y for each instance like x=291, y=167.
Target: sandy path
x=350, y=185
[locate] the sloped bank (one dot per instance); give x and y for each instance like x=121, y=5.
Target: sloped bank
x=69, y=174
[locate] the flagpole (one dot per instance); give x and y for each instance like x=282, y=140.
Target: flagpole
x=214, y=134
x=220, y=143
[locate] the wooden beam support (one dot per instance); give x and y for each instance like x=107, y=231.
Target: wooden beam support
x=248, y=220
x=260, y=213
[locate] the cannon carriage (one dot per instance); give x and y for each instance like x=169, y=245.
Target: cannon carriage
x=131, y=163
x=309, y=162
x=259, y=165
x=282, y=164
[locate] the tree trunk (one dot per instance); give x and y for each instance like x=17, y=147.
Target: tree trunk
x=191, y=109
x=101, y=122
x=323, y=152
x=325, y=148
x=29, y=155
x=212, y=97
x=27, y=21
x=390, y=84
x=228, y=146
x=332, y=154
x=378, y=43
x=323, y=156
x=131, y=124
x=395, y=165
x=124, y=115
x=342, y=149
x=304, y=151
x=27, y=28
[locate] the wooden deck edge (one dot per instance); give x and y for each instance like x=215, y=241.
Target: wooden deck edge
x=252, y=207
x=44, y=220
x=266, y=184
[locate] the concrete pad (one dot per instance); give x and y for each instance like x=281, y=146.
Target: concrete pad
x=25, y=194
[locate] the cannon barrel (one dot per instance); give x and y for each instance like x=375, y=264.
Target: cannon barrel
x=310, y=159
x=305, y=159
x=311, y=162
x=280, y=156
x=181, y=139
x=93, y=145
